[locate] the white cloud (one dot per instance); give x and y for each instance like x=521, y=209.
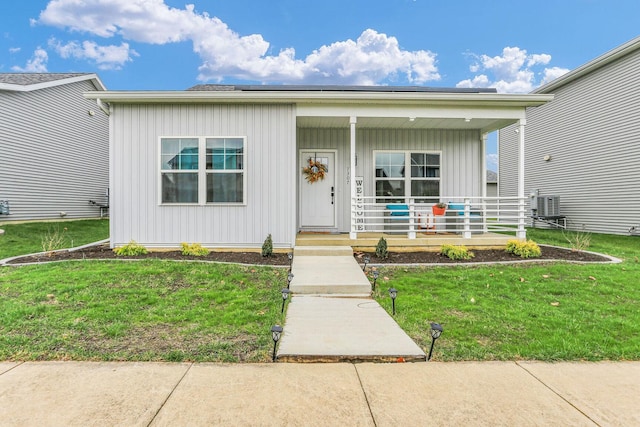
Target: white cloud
x=514, y=71
x=37, y=63
x=372, y=58
x=14, y=49
x=106, y=57
x=492, y=161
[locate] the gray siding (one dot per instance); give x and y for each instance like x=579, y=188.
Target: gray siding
x=591, y=130
x=461, y=162
x=270, y=155
x=54, y=155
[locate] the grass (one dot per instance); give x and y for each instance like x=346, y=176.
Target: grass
x=20, y=239
x=191, y=311
x=547, y=312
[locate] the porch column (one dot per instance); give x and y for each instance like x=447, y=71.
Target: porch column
x=483, y=192
x=353, y=234
x=521, y=233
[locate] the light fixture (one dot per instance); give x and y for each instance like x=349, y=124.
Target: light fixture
x=467, y=120
x=92, y=113
x=289, y=279
x=547, y=157
x=367, y=260
x=276, y=332
x=376, y=273
x=290, y=256
x=412, y=119
x=393, y=293
x=285, y=294
x=436, y=331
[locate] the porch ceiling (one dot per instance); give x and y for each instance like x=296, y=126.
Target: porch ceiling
x=484, y=124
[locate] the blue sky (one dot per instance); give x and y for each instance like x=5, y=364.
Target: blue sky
x=511, y=45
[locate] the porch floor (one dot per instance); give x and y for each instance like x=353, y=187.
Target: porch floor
x=400, y=242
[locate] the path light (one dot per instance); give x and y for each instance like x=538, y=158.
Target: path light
x=393, y=293
x=289, y=279
x=436, y=331
x=376, y=273
x=285, y=295
x=290, y=255
x=367, y=259
x=276, y=332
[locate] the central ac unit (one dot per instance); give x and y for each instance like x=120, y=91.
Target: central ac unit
x=548, y=206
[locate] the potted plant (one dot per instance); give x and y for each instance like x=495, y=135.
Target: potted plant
x=439, y=208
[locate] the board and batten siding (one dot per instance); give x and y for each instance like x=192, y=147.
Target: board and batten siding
x=54, y=155
x=270, y=202
x=591, y=130
x=461, y=158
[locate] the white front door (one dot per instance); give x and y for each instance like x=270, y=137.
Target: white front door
x=317, y=199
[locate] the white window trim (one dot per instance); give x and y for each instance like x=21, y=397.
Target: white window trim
x=407, y=178
x=202, y=170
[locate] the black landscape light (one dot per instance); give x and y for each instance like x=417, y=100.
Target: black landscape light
x=289, y=279
x=436, y=331
x=393, y=293
x=290, y=255
x=367, y=260
x=376, y=273
x=285, y=295
x=276, y=332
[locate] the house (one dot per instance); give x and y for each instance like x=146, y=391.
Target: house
x=54, y=154
x=584, y=146
x=224, y=166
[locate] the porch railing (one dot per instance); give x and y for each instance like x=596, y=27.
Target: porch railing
x=463, y=215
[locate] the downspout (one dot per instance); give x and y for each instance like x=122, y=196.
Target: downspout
x=353, y=234
x=521, y=233
x=104, y=107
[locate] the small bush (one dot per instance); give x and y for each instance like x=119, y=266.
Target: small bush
x=381, y=249
x=267, y=246
x=53, y=240
x=456, y=252
x=527, y=249
x=131, y=249
x=579, y=240
x=194, y=249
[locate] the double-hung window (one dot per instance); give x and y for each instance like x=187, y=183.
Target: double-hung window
x=401, y=175
x=202, y=170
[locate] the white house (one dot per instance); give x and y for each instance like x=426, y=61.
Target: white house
x=584, y=146
x=54, y=147
x=224, y=165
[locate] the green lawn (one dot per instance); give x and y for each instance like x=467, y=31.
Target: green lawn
x=158, y=310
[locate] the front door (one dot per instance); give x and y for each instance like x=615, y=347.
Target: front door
x=317, y=189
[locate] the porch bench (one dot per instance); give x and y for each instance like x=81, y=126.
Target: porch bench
x=454, y=218
x=396, y=218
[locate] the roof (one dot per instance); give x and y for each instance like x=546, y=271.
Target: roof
x=26, y=82
x=599, y=62
x=336, y=88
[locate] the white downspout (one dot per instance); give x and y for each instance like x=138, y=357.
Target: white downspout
x=353, y=234
x=521, y=233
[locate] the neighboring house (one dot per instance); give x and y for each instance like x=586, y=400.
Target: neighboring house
x=54, y=146
x=584, y=146
x=223, y=165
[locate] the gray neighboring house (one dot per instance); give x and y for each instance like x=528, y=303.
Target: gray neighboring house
x=584, y=146
x=54, y=146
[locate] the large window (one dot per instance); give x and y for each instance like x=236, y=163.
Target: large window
x=202, y=170
x=395, y=182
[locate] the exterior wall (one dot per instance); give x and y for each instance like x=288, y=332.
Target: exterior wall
x=53, y=154
x=461, y=161
x=591, y=131
x=136, y=213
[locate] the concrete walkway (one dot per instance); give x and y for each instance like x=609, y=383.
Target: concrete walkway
x=332, y=317
x=433, y=393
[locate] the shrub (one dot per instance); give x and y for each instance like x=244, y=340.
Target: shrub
x=526, y=249
x=579, y=240
x=381, y=249
x=194, y=249
x=131, y=249
x=456, y=252
x=52, y=240
x=267, y=246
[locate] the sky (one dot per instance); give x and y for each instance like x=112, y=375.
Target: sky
x=511, y=45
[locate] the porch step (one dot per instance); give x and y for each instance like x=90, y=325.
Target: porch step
x=329, y=275
x=323, y=251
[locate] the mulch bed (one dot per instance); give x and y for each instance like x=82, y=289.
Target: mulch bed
x=281, y=259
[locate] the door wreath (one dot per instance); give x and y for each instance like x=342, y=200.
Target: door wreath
x=314, y=171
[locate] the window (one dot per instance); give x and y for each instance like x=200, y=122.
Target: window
x=202, y=170
x=393, y=184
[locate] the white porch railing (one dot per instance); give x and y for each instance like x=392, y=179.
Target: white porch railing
x=464, y=215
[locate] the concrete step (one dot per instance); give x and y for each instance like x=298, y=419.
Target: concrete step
x=324, y=329
x=322, y=251
x=331, y=275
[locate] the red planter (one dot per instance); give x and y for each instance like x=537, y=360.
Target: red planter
x=437, y=211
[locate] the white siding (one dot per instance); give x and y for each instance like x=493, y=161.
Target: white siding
x=270, y=173
x=591, y=130
x=461, y=161
x=53, y=154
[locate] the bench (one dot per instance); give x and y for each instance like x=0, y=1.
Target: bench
x=455, y=219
